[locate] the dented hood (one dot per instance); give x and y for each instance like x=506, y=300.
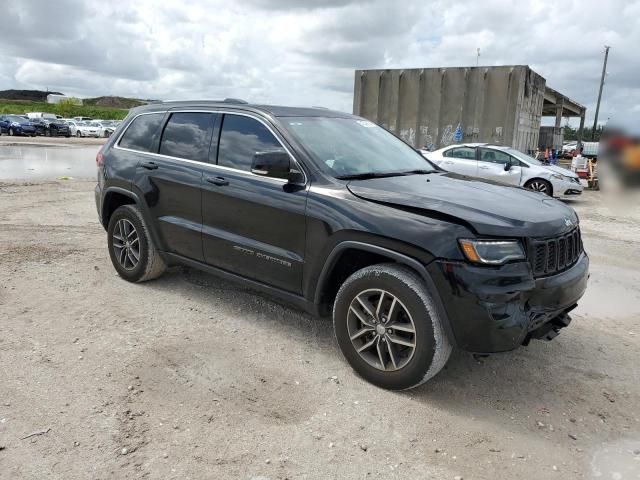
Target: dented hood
x=488, y=208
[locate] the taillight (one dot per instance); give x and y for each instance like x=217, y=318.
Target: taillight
x=99, y=159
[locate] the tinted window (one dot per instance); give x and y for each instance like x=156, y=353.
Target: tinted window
x=140, y=133
x=240, y=139
x=188, y=135
x=468, y=153
x=494, y=156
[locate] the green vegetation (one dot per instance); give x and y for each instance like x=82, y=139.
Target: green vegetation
x=66, y=108
x=571, y=133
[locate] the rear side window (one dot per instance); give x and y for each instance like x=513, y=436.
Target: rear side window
x=139, y=135
x=188, y=135
x=240, y=139
x=495, y=156
x=467, y=153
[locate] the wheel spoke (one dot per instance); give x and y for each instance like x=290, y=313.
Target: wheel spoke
x=391, y=355
x=131, y=258
x=403, y=327
x=368, y=345
x=366, y=305
x=361, y=332
x=135, y=253
x=123, y=257
x=380, y=354
x=392, y=309
x=380, y=300
x=401, y=341
x=361, y=317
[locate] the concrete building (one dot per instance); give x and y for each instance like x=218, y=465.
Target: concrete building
x=54, y=98
x=436, y=107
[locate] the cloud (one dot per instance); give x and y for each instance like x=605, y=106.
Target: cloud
x=305, y=52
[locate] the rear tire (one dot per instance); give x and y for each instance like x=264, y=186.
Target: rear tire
x=408, y=344
x=11, y=132
x=78, y=134
x=131, y=248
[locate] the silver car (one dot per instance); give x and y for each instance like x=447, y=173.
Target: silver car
x=507, y=165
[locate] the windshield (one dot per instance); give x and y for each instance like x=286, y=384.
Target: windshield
x=351, y=146
x=17, y=119
x=521, y=156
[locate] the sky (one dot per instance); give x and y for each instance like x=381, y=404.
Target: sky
x=304, y=52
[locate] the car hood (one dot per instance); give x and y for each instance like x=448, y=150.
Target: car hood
x=488, y=208
x=560, y=170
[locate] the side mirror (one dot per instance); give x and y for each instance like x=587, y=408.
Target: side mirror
x=507, y=166
x=275, y=164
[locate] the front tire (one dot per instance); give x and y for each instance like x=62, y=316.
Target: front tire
x=78, y=134
x=388, y=327
x=540, y=185
x=11, y=132
x=131, y=248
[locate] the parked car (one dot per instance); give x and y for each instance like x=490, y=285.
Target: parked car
x=105, y=128
x=507, y=165
x=330, y=212
x=17, y=125
x=82, y=129
x=51, y=127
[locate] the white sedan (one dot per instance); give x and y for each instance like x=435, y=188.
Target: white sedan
x=507, y=165
x=82, y=129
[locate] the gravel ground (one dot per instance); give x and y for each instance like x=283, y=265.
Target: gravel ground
x=192, y=377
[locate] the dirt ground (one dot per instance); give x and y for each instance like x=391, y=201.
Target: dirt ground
x=190, y=377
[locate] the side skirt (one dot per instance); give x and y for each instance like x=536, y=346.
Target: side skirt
x=289, y=298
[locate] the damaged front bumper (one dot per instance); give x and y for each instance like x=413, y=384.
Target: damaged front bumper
x=498, y=309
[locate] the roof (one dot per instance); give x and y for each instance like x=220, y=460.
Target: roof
x=272, y=110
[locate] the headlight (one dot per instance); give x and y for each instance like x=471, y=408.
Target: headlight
x=491, y=252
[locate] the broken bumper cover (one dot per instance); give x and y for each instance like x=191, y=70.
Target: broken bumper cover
x=498, y=309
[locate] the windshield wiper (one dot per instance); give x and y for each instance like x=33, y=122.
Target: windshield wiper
x=419, y=172
x=368, y=175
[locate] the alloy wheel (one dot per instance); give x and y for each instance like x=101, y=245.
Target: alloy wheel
x=539, y=187
x=126, y=244
x=381, y=329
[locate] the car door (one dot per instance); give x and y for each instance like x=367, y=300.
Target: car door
x=498, y=166
x=253, y=226
x=171, y=180
x=460, y=160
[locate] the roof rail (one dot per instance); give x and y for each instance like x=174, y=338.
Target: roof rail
x=226, y=100
x=235, y=100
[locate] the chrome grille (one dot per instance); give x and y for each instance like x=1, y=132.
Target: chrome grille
x=553, y=255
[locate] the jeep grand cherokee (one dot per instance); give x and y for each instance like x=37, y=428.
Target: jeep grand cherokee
x=331, y=213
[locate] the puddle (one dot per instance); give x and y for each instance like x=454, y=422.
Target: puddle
x=19, y=162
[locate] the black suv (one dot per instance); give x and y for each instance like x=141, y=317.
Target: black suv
x=330, y=212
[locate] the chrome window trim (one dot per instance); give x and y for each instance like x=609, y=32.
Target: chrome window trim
x=117, y=146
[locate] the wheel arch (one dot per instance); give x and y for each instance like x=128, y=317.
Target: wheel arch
x=115, y=197
x=332, y=276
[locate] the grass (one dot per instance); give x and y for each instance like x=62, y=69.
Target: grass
x=66, y=110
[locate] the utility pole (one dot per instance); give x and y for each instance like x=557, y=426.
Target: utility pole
x=604, y=72
x=477, y=56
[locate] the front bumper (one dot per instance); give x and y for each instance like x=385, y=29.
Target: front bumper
x=567, y=188
x=498, y=309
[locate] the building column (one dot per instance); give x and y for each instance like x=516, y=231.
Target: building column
x=558, y=125
x=580, y=130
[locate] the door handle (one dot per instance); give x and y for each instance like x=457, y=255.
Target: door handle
x=220, y=181
x=483, y=167
x=150, y=165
